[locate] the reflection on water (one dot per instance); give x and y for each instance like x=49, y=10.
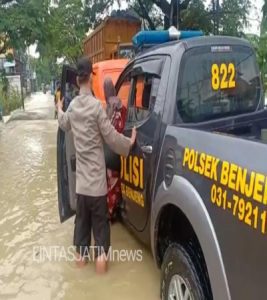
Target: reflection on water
x=29, y=218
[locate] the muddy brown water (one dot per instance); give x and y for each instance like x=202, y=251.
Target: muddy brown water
x=29, y=224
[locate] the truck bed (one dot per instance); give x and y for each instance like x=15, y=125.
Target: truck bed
x=103, y=42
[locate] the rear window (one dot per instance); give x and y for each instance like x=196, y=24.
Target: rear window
x=216, y=82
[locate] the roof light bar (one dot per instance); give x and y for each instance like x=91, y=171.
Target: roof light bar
x=164, y=36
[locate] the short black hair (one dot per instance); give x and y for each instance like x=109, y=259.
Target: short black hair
x=84, y=67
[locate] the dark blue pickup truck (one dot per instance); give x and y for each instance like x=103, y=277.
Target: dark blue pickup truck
x=194, y=186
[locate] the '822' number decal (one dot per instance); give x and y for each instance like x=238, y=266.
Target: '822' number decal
x=223, y=76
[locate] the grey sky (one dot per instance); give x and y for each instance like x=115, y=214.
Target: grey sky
x=255, y=17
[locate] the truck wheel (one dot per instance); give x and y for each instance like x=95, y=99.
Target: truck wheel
x=179, y=278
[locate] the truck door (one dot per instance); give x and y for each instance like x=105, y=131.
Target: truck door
x=146, y=99
x=66, y=151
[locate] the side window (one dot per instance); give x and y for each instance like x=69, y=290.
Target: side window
x=145, y=88
x=124, y=90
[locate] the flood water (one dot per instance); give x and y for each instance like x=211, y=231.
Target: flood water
x=29, y=221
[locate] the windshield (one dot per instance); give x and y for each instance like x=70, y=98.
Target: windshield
x=217, y=81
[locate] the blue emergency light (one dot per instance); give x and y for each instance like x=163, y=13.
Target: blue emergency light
x=158, y=37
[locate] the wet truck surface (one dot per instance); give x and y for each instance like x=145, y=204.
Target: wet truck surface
x=194, y=186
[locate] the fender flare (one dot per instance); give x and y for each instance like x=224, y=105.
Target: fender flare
x=182, y=194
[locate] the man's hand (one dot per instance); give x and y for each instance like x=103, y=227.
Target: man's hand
x=133, y=137
x=60, y=104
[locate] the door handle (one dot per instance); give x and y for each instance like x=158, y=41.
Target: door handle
x=147, y=149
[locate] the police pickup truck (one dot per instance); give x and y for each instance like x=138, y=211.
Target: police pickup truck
x=194, y=186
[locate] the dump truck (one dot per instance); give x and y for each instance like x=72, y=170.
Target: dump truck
x=112, y=39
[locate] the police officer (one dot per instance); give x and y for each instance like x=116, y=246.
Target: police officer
x=90, y=126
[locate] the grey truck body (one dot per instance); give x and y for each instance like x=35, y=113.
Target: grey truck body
x=202, y=156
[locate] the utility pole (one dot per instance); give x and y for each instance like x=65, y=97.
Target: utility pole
x=171, y=12
x=178, y=14
x=175, y=13
x=213, y=16
x=216, y=16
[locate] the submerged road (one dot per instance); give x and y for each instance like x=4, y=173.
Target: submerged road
x=30, y=228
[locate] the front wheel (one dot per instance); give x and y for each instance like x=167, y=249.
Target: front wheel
x=179, y=278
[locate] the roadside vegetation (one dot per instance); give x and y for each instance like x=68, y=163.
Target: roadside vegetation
x=10, y=99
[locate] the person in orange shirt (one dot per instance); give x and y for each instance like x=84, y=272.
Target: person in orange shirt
x=57, y=97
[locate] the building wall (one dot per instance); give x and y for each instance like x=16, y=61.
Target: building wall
x=15, y=82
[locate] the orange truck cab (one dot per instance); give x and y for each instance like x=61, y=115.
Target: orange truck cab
x=103, y=69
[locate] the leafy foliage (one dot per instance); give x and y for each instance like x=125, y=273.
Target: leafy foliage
x=234, y=16
x=196, y=17
x=66, y=27
x=194, y=14
x=95, y=11
x=148, y=12
x=65, y=31
x=22, y=23
x=59, y=30
x=9, y=97
x=46, y=69
x=260, y=42
x=159, y=12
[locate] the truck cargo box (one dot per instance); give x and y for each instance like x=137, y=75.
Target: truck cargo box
x=103, y=42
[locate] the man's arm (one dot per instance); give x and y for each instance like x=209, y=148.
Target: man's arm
x=63, y=117
x=119, y=143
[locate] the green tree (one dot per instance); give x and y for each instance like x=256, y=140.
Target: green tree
x=96, y=11
x=160, y=12
x=260, y=42
x=22, y=22
x=58, y=30
x=228, y=17
x=46, y=69
x=234, y=17
x=190, y=14
x=67, y=25
x=172, y=11
x=264, y=18
x=65, y=30
x=196, y=17
x=148, y=12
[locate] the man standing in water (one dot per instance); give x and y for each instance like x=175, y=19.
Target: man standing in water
x=90, y=126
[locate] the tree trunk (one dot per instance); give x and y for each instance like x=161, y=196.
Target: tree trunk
x=146, y=16
x=166, y=23
x=172, y=11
